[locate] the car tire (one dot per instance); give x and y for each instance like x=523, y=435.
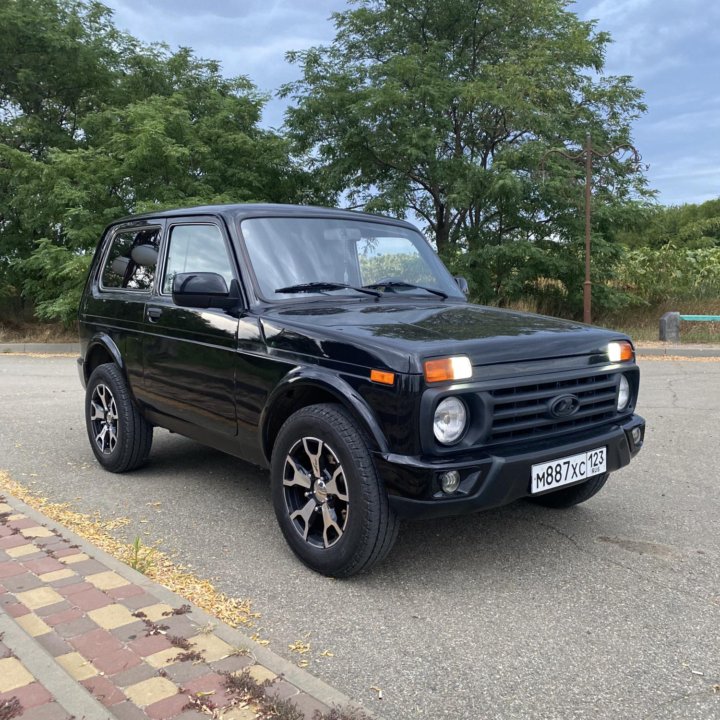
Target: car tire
x=329, y=500
x=574, y=495
x=119, y=435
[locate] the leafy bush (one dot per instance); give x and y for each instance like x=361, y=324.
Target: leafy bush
x=671, y=273
x=545, y=276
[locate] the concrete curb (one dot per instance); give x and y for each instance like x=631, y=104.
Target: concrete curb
x=41, y=348
x=688, y=351
x=303, y=680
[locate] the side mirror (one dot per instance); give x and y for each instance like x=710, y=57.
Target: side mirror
x=462, y=284
x=202, y=290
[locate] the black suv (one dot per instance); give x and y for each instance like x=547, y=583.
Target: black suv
x=335, y=348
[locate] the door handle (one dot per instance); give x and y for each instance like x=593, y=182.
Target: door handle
x=154, y=313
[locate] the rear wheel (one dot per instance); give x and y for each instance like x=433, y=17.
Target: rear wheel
x=329, y=500
x=574, y=495
x=119, y=435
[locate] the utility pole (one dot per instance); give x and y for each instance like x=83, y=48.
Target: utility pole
x=587, y=154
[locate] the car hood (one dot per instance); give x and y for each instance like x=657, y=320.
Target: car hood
x=400, y=335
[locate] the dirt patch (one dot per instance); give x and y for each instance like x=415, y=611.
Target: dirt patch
x=642, y=547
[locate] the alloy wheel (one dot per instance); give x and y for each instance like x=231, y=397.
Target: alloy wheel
x=104, y=418
x=316, y=492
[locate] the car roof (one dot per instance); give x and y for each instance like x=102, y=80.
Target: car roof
x=239, y=211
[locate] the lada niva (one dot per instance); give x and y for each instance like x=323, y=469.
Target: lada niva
x=336, y=349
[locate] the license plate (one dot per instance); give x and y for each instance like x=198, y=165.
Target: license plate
x=556, y=473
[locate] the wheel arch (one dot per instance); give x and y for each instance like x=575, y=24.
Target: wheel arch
x=100, y=350
x=305, y=387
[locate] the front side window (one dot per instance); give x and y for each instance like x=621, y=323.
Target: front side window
x=291, y=255
x=131, y=261
x=196, y=248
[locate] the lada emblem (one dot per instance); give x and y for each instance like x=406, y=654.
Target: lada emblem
x=563, y=406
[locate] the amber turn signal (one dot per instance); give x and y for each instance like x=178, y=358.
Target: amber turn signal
x=380, y=376
x=452, y=368
x=620, y=351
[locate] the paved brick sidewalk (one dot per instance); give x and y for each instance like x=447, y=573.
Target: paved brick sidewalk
x=85, y=636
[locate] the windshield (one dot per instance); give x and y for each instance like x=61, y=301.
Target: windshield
x=328, y=256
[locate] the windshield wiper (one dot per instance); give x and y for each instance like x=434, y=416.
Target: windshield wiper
x=319, y=286
x=401, y=283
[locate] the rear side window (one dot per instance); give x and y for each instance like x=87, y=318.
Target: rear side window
x=130, y=263
x=196, y=248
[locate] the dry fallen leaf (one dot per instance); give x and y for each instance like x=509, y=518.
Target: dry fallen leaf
x=255, y=637
x=176, y=577
x=327, y=653
x=300, y=647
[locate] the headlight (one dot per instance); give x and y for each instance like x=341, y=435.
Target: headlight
x=623, y=393
x=620, y=351
x=450, y=420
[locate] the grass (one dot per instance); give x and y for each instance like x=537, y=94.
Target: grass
x=643, y=324
x=141, y=556
x=25, y=332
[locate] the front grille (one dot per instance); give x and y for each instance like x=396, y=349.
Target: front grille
x=521, y=412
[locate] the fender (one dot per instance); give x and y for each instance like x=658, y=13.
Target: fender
x=107, y=343
x=329, y=382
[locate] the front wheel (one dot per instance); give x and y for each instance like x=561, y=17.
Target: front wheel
x=119, y=435
x=574, y=495
x=329, y=500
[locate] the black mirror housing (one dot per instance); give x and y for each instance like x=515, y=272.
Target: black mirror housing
x=202, y=290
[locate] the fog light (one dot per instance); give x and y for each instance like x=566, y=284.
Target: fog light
x=450, y=481
x=636, y=435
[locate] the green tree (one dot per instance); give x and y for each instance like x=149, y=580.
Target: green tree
x=95, y=125
x=690, y=225
x=446, y=107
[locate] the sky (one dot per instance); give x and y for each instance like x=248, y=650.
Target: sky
x=670, y=48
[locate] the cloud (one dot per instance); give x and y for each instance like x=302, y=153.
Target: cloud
x=249, y=38
x=673, y=53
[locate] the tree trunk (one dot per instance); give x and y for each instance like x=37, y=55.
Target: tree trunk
x=442, y=228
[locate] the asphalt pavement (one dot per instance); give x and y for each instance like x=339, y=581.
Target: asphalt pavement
x=608, y=610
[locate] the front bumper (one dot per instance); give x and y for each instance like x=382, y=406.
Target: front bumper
x=493, y=478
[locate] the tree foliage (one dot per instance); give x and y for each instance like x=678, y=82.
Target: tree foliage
x=443, y=109
x=95, y=125
x=671, y=273
x=690, y=225
x=447, y=107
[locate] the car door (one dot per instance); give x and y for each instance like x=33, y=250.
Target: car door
x=189, y=353
x=124, y=280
